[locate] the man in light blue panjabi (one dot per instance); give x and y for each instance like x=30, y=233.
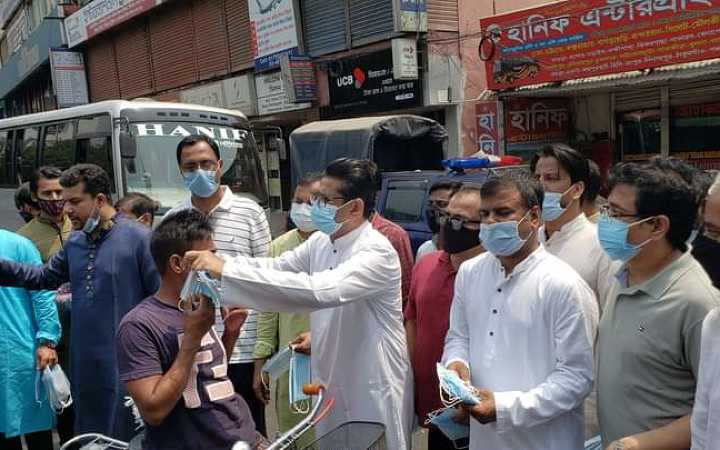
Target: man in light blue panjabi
x=29, y=330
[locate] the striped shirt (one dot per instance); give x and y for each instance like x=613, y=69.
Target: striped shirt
x=241, y=228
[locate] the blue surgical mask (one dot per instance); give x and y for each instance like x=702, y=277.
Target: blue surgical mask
x=300, y=214
x=613, y=233
x=454, y=388
x=323, y=216
x=203, y=284
x=201, y=182
x=278, y=364
x=92, y=222
x=300, y=375
x=552, y=209
x=502, y=238
x=444, y=419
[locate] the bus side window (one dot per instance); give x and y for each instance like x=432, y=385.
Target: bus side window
x=59, y=148
x=6, y=159
x=97, y=151
x=26, y=146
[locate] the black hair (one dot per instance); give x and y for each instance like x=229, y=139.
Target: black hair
x=308, y=180
x=176, y=235
x=24, y=197
x=574, y=162
x=449, y=185
x=193, y=139
x=530, y=190
x=96, y=180
x=45, y=172
x=359, y=180
x=661, y=192
x=594, y=182
x=697, y=179
x=138, y=204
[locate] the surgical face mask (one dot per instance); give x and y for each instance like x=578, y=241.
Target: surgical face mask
x=431, y=216
x=300, y=214
x=453, y=389
x=458, y=241
x=300, y=375
x=57, y=387
x=53, y=208
x=444, y=420
x=613, y=233
x=201, y=183
x=323, y=216
x=552, y=209
x=502, y=238
x=278, y=364
x=200, y=283
x=92, y=222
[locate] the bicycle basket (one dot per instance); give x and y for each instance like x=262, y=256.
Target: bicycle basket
x=352, y=436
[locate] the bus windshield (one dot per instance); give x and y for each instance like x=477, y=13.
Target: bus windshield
x=154, y=170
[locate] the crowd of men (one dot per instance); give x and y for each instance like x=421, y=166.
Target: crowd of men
x=568, y=318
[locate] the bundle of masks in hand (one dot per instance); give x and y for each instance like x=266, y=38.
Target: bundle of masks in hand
x=57, y=388
x=453, y=391
x=298, y=364
x=201, y=283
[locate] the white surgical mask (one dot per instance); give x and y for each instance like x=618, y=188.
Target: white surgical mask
x=301, y=217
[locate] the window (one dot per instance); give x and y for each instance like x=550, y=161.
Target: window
x=26, y=142
x=97, y=151
x=640, y=133
x=6, y=159
x=59, y=147
x=405, y=201
x=98, y=125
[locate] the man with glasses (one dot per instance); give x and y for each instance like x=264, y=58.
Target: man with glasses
x=649, y=335
x=427, y=314
x=521, y=327
x=438, y=199
x=348, y=277
x=241, y=228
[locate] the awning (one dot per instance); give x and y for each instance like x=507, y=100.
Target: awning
x=619, y=81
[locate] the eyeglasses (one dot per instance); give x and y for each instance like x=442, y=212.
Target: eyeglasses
x=204, y=165
x=606, y=210
x=456, y=223
x=322, y=201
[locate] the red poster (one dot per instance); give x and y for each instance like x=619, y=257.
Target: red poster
x=586, y=38
x=536, y=120
x=488, y=127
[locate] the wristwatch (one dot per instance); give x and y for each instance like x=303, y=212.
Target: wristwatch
x=46, y=343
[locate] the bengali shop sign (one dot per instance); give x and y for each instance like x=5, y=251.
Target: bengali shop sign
x=586, y=38
x=489, y=126
x=273, y=30
x=101, y=15
x=532, y=120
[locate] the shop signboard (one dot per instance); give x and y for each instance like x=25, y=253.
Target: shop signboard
x=578, y=39
x=240, y=94
x=412, y=15
x=693, y=134
x=274, y=31
x=68, y=77
x=530, y=122
x=271, y=95
x=489, y=127
x=298, y=76
x=405, y=65
x=101, y=15
x=365, y=84
x=207, y=95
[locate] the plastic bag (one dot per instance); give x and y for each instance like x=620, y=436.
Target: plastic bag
x=203, y=284
x=57, y=388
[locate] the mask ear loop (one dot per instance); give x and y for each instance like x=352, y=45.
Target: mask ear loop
x=302, y=406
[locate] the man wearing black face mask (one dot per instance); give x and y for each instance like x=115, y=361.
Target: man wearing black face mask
x=438, y=199
x=706, y=247
x=427, y=315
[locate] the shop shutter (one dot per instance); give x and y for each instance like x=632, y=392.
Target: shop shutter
x=132, y=52
x=172, y=44
x=324, y=26
x=694, y=92
x=370, y=21
x=238, y=31
x=442, y=15
x=636, y=99
x=102, y=70
x=211, y=40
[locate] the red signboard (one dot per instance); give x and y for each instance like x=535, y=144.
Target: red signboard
x=488, y=127
x=536, y=120
x=586, y=38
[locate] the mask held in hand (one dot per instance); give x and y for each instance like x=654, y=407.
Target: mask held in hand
x=300, y=375
x=203, y=284
x=57, y=388
x=454, y=388
x=443, y=419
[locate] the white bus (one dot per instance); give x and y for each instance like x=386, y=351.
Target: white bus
x=134, y=141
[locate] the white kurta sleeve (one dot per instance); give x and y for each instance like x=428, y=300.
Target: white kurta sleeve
x=457, y=340
x=700, y=414
x=282, y=284
x=567, y=385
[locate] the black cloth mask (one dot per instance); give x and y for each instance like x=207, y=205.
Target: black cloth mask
x=457, y=241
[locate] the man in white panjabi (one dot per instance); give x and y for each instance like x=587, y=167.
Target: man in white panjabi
x=521, y=328
x=348, y=278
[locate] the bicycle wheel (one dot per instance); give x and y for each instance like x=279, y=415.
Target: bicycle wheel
x=352, y=436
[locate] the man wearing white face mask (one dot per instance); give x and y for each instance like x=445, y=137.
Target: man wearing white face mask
x=348, y=278
x=521, y=328
x=276, y=330
x=241, y=228
x=650, y=333
x=564, y=174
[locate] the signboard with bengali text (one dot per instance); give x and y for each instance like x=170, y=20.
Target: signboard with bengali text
x=586, y=38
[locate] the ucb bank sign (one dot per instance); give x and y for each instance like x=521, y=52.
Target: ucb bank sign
x=366, y=84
